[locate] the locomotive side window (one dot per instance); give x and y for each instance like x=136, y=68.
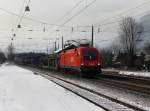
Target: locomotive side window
x=89, y=54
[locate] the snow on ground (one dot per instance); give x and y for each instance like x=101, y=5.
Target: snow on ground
x=136, y=99
x=130, y=73
x=140, y=74
x=21, y=90
x=124, y=95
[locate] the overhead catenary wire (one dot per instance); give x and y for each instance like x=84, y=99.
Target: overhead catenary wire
x=76, y=14
x=43, y=22
x=31, y=19
x=15, y=27
x=68, y=12
x=111, y=22
x=20, y=20
x=117, y=21
x=88, y=26
x=79, y=12
x=21, y=10
x=104, y=24
x=126, y=11
x=23, y=13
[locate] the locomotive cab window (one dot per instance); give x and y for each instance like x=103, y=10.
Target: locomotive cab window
x=89, y=54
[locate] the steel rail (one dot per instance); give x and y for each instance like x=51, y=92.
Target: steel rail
x=125, y=106
x=107, y=82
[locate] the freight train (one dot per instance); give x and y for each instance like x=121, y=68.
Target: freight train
x=83, y=58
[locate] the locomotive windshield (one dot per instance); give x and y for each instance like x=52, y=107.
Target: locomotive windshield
x=89, y=54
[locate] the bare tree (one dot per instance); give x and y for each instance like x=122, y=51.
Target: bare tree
x=147, y=48
x=107, y=57
x=115, y=48
x=2, y=57
x=130, y=36
x=10, y=53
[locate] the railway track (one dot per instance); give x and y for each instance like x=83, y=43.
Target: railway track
x=116, y=74
x=128, y=83
x=101, y=100
x=107, y=102
x=134, y=83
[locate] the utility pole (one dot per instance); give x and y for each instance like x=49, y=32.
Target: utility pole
x=47, y=50
x=92, y=35
x=58, y=46
x=62, y=43
x=55, y=46
x=47, y=58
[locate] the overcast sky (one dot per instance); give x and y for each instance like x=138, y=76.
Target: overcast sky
x=100, y=12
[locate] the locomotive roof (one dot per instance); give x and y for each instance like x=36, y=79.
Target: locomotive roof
x=66, y=48
x=70, y=47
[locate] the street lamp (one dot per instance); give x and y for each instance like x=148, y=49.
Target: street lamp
x=27, y=9
x=19, y=26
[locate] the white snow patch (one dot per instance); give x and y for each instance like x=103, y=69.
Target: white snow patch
x=140, y=74
x=21, y=90
x=129, y=73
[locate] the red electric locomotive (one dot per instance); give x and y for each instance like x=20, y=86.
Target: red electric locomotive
x=84, y=58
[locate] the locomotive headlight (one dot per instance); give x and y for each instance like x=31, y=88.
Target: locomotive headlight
x=82, y=64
